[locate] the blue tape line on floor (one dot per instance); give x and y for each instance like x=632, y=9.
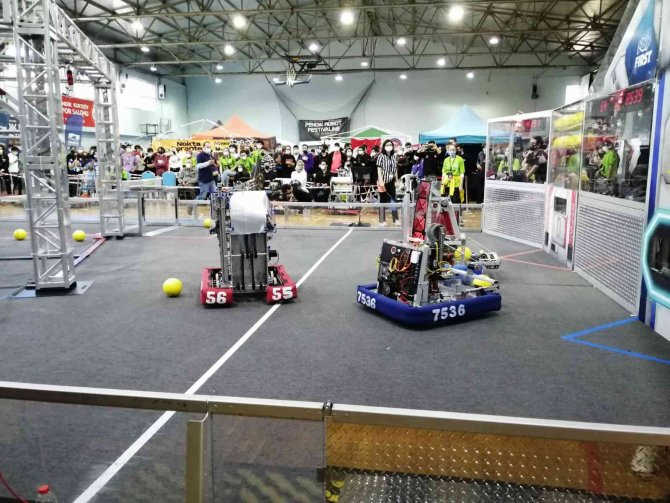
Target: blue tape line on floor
x=574, y=337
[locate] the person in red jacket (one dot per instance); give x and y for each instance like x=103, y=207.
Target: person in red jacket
x=161, y=162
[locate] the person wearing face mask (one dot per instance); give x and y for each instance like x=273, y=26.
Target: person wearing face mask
x=404, y=164
x=187, y=179
x=509, y=165
x=321, y=155
x=258, y=152
x=335, y=159
x=535, y=163
x=299, y=183
x=321, y=178
x=453, y=174
x=72, y=154
x=226, y=160
x=307, y=159
x=5, y=180
x=148, y=161
x=174, y=162
x=129, y=161
x=161, y=162
x=387, y=174
x=287, y=162
x=609, y=165
x=361, y=167
x=417, y=167
x=433, y=159
x=206, y=171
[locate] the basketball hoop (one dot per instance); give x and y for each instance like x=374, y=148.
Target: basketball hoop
x=290, y=76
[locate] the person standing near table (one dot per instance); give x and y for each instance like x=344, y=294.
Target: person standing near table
x=387, y=174
x=207, y=171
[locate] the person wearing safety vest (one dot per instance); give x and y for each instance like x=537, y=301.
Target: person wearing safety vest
x=610, y=162
x=503, y=165
x=453, y=173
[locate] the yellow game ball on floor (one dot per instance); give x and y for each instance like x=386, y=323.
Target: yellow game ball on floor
x=207, y=223
x=459, y=253
x=20, y=234
x=79, y=235
x=172, y=287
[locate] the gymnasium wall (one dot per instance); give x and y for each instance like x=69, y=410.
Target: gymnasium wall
x=422, y=102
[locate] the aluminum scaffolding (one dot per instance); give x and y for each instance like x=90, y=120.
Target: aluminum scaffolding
x=43, y=37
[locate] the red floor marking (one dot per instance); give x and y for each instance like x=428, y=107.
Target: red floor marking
x=88, y=251
x=594, y=468
x=520, y=253
x=539, y=265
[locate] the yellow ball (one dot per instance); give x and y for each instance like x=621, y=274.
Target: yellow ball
x=20, y=234
x=172, y=287
x=459, y=253
x=207, y=223
x=79, y=235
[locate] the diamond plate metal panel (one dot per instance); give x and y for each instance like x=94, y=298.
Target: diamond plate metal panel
x=515, y=212
x=608, y=247
x=373, y=463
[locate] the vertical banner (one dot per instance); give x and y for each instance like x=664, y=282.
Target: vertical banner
x=313, y=130
x=636, y=57
x=73, y=128
x=76, y=106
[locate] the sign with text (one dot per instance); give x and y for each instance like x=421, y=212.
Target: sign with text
x=77, y=106
x=313, y=130
x=186, y=144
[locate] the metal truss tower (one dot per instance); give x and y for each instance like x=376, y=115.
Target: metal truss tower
x=42, y=36
x=41, y=126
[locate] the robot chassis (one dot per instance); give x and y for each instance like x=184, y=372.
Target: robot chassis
x=425, y=279
x=243, y=226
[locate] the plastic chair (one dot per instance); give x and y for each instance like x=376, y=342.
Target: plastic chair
x=148, y=175
x=169, y=180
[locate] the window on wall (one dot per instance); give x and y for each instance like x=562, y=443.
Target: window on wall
x=573, y=92
x=139, y=94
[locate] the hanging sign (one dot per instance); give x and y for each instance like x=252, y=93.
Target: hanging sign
x=313, y=130
x=77, y=106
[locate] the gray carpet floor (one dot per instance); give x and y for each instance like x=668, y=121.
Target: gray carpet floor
x=124, y=333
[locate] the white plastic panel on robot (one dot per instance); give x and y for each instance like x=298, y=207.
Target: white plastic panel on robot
x=249, y=212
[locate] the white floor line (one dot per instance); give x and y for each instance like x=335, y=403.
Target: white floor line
x=161, y=231
x=114, y=468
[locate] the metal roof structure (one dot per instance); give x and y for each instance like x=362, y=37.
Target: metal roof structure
x=182, y=38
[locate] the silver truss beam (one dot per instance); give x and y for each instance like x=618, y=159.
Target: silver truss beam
x=44, y=36
x=40, y=117
x=110, y=192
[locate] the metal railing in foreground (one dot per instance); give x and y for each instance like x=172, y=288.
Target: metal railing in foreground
x=245, y=449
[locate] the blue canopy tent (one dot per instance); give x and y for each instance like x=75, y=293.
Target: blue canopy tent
x=465, y=125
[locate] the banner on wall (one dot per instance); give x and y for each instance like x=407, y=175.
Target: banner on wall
x=313, y=130
x=73, y=128
x=636, y=57
x=187, y=144
x=9, y=127
x=78, y=106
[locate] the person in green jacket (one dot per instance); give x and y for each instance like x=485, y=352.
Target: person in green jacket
x=453, y=173
x=609, y=165
x=503, y=165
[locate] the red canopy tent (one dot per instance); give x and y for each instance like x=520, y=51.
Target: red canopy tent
x=235, y=129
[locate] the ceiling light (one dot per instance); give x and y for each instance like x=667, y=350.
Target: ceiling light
x=364, y=64
x=313, y=47
x=219, y=67
x=228, y=50
x=347, y=17
x=441, y=62
x=456, y=13
x=239, y=21
x=401, y=41
x=275, y=80
x=338, y=78
x=137, y=25
x=403, y=76
x=153, y=68
x=470, y=75
x=217, y=80
x=494, y=40
x=145, y=48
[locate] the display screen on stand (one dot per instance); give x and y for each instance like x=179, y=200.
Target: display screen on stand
x=615, y=146
x=518, y=150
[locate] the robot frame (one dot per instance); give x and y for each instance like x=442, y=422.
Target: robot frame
x=426, y=278
x=244, y=225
